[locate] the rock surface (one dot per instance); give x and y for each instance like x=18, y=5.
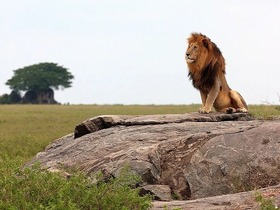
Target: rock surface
x=238, y=201
x=194, y=155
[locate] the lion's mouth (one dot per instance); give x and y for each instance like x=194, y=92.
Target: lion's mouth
x=189, y=60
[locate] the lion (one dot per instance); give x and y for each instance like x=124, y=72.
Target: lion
x=207, y=71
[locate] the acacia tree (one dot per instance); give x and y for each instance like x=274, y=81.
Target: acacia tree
x=39, y=80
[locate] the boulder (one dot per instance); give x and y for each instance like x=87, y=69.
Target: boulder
x=190, y=156
x=159, y=192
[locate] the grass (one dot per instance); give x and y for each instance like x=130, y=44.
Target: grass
x=27, y=129
x=265, y=203
x=38, y=189
x=265, y=111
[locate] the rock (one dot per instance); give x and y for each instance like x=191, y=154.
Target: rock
x=160, y=192
x=238, y=201
x=102, y=122
x=195, y=155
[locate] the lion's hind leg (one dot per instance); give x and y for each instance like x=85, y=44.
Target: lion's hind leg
x=238, y=102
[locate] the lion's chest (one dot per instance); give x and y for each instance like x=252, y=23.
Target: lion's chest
x=202, y=82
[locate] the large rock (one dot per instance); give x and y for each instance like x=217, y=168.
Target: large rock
x=194, y=155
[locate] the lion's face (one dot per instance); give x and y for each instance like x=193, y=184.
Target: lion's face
x=196, y=53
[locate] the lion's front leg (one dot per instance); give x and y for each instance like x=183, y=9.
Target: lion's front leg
x=203, y=100
x=208, y=100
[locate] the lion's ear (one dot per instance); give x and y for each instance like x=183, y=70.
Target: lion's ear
x=205, y=42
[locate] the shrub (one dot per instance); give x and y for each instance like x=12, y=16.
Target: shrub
x=265, y=203
x=39, y=189
x=4, y=99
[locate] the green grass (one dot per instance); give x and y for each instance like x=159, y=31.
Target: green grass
x=33, y=188
x=265, y=203
x=27, y=129
x=265, y=111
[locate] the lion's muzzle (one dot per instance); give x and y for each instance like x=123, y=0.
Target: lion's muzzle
x=189, y=59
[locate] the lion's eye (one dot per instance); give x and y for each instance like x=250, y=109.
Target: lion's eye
x=194, y=47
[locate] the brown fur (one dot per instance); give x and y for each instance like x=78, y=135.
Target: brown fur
x=207, y=71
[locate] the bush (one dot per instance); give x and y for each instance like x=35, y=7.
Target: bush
x=265, y=203
x=13, y=98
x=4, y=99
x=39, y=189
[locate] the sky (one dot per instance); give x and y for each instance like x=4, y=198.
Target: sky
x=132, y=51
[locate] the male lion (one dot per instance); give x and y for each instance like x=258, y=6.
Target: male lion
x=207, y=71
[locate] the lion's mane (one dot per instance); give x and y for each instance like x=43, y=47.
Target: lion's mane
x=203, y=72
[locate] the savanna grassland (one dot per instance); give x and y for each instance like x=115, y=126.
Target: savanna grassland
x=27, y=129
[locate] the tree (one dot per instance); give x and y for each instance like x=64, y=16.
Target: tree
x=13, y=98
x=4, y=99
x=39, y=80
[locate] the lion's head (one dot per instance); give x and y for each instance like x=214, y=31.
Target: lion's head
x=199, y=51
x=204, y=60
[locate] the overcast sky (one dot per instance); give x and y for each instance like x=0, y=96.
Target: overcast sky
x=132, y=51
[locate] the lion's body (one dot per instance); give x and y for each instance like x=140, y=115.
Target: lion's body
x=207, y=71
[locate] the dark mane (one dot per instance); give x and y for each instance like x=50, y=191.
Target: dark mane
x=206, y=77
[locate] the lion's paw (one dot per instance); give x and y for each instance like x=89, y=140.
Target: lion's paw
x=243, y=110
x=230, y=110
x=203, y=110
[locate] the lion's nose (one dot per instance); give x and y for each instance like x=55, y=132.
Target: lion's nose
x=187, y=54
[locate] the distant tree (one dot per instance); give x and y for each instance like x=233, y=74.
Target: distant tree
x=39, y=80
x=14, y=97
x=4, y=99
